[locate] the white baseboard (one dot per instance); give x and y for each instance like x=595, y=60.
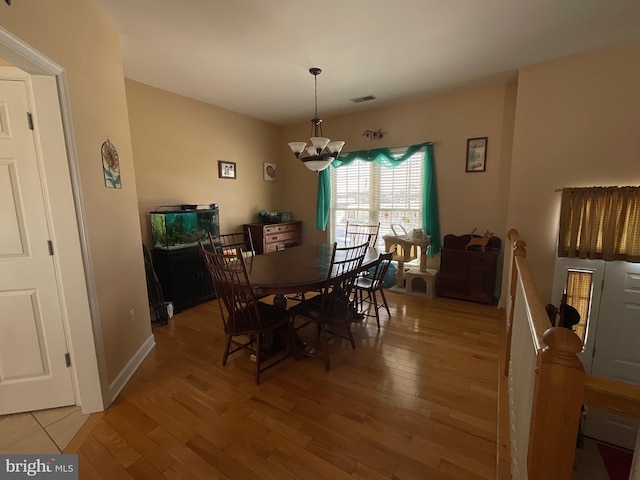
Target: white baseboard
x=130, y=368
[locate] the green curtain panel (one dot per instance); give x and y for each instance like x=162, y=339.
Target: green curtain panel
x=430, y=215
x=324, y=199
x=383, y=156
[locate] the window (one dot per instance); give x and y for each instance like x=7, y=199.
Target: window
x=367, y=192
x=600, y=222
x=579, y=290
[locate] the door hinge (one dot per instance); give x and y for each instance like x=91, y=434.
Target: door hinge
x=67, y=359
x=30, y=120
x=50, y=244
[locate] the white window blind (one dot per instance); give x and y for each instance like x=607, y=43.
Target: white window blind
x=367, y=192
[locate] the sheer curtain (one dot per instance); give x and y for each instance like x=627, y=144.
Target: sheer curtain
x=384, y=156
x=600, y=223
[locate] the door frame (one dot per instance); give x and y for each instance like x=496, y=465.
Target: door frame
x=67, y=213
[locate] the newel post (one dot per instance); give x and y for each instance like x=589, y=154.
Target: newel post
x=555, y=416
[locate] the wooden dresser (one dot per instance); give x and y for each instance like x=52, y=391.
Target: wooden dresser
x=469, y=274
x=270, y=237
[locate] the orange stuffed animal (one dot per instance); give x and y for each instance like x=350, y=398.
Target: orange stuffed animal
x=480, y=241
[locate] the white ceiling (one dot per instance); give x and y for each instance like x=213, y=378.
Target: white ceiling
x=253, y=56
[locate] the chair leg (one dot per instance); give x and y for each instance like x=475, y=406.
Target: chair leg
x=350, y=335
x=375, y=306
x=258, y=359
x=325, y=347
x=386, y=305
x=292, y=344
x=225, y=355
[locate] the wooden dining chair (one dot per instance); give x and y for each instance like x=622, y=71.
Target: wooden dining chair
x=333, y=309
x=357, y=233
x=371, y=284
x=230, y=243
x=248, y=323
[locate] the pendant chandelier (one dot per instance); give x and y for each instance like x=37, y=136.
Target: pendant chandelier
x=322, y=151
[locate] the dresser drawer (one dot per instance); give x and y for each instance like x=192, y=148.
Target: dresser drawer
x=280, y=237
x=273, y=247
x=281, y=228
x=273, y=237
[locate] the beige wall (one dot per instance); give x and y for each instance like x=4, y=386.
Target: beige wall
x=76, y=36
x=466, y=200
x=577, y=124
x=177, y=143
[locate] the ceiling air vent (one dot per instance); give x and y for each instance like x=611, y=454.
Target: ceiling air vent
x=366, y=98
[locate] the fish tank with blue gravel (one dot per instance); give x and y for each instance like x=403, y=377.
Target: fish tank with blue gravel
x=180, y=226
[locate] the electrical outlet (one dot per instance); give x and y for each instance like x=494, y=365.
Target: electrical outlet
x=132, y=316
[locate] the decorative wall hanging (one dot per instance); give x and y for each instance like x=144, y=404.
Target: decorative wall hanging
x=374, y=134
x=226, y=169
x=476, y=154
x=269, y=171
x=110, y=165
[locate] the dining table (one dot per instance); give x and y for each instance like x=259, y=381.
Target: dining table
x=295, y=270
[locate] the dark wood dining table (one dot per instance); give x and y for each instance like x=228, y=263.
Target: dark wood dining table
x=295, y=270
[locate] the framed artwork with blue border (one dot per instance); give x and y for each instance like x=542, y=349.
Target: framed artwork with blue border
x=476, y=154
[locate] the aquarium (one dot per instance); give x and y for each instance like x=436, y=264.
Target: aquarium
x=180, y=226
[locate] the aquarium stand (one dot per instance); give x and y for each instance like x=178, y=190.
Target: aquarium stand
x=184, y=278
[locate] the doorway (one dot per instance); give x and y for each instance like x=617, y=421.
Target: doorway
x=73, y=265
x=34, y=370
x=612, y=335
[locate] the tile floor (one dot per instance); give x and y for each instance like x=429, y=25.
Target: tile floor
x=44, y=431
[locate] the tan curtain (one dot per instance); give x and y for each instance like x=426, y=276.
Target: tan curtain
x=600, y=222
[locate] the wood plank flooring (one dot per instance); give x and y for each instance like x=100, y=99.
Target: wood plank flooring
x=415, y=400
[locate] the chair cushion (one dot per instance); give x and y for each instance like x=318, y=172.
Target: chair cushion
x=364, y=283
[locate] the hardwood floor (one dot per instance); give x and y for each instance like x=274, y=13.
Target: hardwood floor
x=415, y=400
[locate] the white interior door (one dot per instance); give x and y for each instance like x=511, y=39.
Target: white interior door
x=617, y=348
x=33, y=370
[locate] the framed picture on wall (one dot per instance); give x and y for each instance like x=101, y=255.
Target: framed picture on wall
x=226, y=169
x=476, y=154
x=269, y=171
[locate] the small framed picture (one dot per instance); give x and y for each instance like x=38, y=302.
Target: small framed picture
x=476, y=154
x=226, y=169
x=269, y=171
x=286, y=216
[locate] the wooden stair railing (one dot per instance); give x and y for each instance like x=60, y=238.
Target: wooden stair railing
x=613, y=396
x=547, y=385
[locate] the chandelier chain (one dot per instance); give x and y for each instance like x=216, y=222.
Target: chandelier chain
x=315, y=78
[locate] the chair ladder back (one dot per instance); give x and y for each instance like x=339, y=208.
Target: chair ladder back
x=358, y=233
x=346, y=262
x=381, y=267
x=232, y=243
x=233, y=288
